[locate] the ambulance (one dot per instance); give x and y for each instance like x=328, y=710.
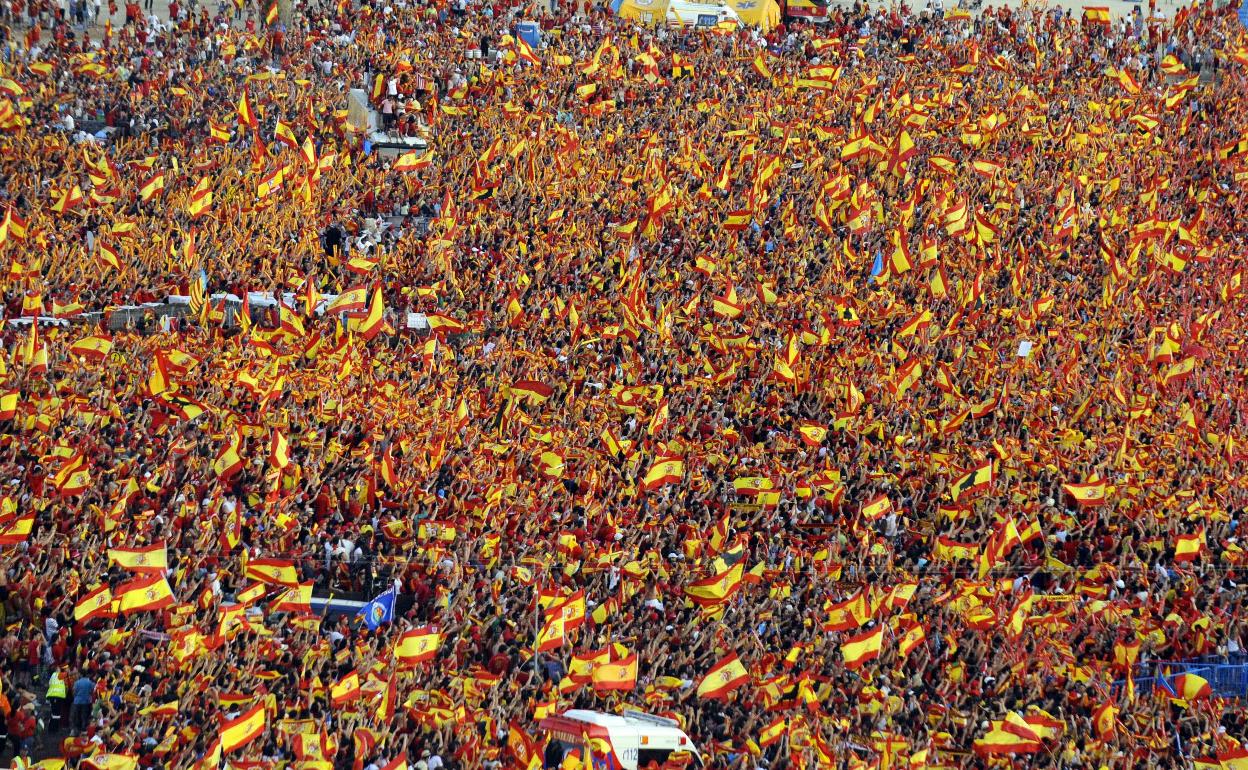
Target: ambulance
x=631, y=741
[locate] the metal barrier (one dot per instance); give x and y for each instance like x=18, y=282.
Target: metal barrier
x=1227, y=675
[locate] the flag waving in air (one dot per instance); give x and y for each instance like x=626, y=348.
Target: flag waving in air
x=379, y=610
x=724, y=677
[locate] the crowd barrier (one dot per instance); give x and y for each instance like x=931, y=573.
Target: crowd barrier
x=1227, y=675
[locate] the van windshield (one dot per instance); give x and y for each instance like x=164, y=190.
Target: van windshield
x=557, y=751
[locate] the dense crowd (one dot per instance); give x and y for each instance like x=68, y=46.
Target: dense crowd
x=898, y=357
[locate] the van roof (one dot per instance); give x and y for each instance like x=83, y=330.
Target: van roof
x=631, y=720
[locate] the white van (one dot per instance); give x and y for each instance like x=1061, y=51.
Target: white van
x=681, y=13
x=612, y=742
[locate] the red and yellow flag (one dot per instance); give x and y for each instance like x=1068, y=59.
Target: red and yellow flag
x=144, y=594
x=418, y=645
x=858, y=650
x=147, y=560
x=237, y=733
x=724, y=677
x=619, y=675
x=279, y=571
x=98, y=603
x=665, y=470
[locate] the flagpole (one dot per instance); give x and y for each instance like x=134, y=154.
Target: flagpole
x=537, y=626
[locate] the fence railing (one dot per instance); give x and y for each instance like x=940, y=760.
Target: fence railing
x=1227, y=675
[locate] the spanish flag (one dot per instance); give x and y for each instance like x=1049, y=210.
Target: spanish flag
x=153, y=185
x=201, y=199
x=864, y=647
x=110, y=762
x=773, y=732
x=571, y=608
x=531, y=391
x=724, y=677
x=271, y=183
x=144, y=594
x=1178, y=373
x=1126, y=652
x=148, y=560
x=412, y=161
x=905, y=377
x=279, y=451
x=443, y=323
x=665, y=470
x=1096, y=14
x=918, y=323
x=1234, y=758
x=620, y=675
x=68, y=200
x=524, y=51
x=948, y=549
x=752, y=486
x=350, y=300
x=8, y=404
x=716, y=589
x=237, y=733
x=999, y=741
x=912, y=637
x=94, y=348
x=1104, y=720
x=813, y=434
x=18, y=530
x=246, y=117
x=418, y=645
x=250, y=594
x=1189, y=547
x=229, y=461
x=760, y=66
x=552, y=634
x=1087, y=494
x=847, y=614
x=98, y=603
x=782, y=371
x=346, y=689
x=877, y=508
x=297, y=599
x=278, y=571
x=285, y=135
x=1015, y=724
x=738, y=220
x=728, y=306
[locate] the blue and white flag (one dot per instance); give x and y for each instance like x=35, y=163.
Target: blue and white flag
x=379, y=610
x=877, y=269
